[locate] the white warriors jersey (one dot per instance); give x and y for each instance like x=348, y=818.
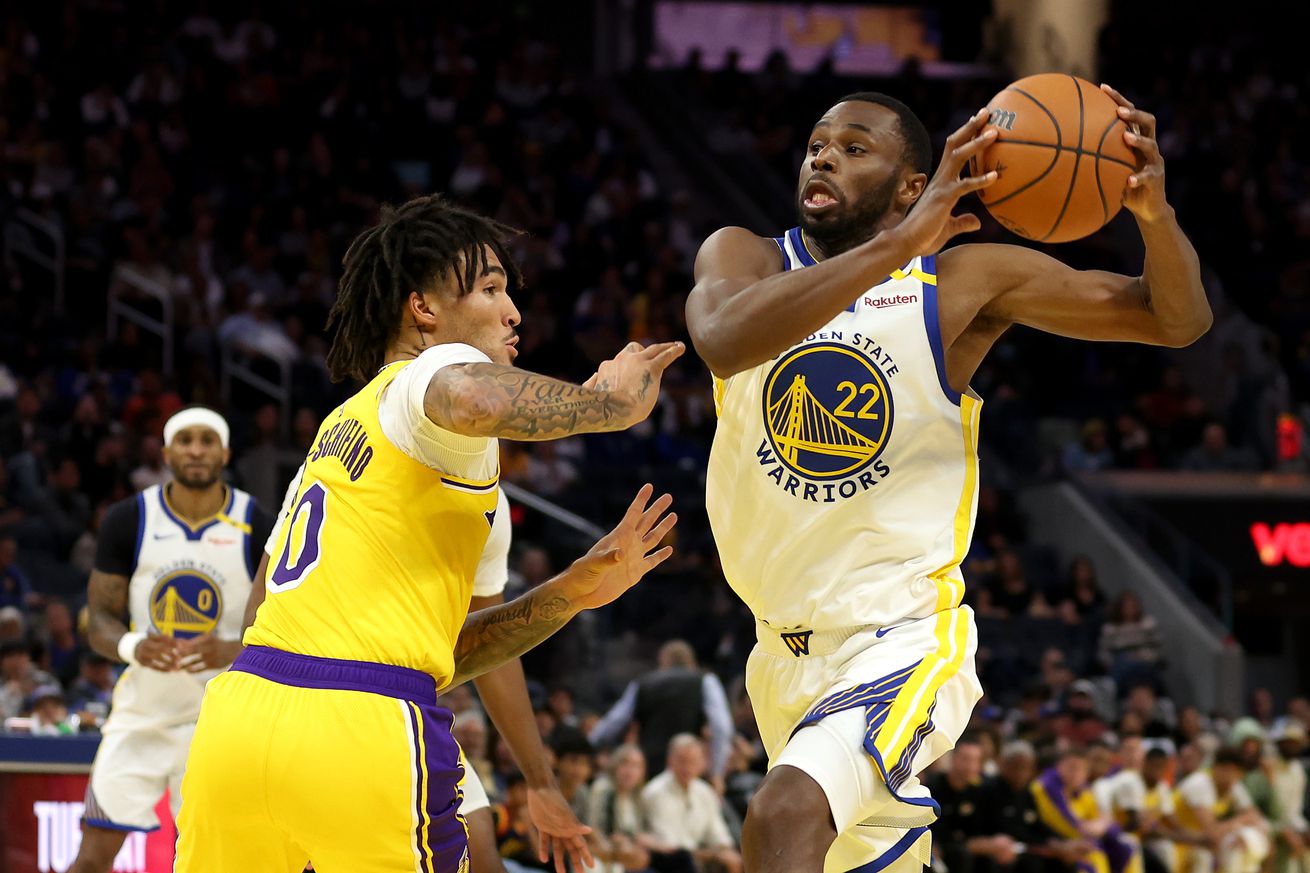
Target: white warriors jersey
x=186, y=581
x=842, y=483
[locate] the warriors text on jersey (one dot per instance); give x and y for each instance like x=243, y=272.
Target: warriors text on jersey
x=375, y=558
x=184, y=581
x=842, y=480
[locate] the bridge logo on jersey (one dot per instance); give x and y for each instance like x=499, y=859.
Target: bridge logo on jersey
x=827, y=411
x=185, y=603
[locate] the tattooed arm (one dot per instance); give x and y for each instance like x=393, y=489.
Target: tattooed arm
x=497, y=400
x=491, y=637
x=106, y=601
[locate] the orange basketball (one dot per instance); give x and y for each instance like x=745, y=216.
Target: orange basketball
x=1061, y=160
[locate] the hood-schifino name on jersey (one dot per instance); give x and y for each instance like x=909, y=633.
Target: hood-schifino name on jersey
x=842, y=480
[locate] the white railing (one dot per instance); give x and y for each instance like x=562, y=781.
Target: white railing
x=161, y=327
x=21, y=239
x=236, y=365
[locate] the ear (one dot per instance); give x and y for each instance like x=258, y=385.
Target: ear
x=422, y=310
x=227, y=457
x=911, y=188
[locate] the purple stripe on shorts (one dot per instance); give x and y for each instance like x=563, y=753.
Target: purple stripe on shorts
x=447, y=838
x=307, y=671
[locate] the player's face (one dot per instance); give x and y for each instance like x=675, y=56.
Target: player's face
x=486, y=317
x=852, y=170
x=196, y=456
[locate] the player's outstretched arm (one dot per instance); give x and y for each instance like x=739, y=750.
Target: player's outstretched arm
x=497, y=400
x=106, y=600
x=1165, y=306
x=744, y=309
x=491, y=637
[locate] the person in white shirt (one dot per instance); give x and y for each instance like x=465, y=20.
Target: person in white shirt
x=684, y=811
x=1287, y=774
x=1214, y=806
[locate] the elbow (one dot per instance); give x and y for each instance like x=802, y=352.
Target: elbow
x=1183, y=335
x=718, y=351
x=470, y=409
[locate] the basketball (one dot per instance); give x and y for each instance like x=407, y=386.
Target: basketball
x=1060, y=158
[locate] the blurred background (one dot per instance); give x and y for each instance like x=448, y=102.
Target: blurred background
x=179, y=181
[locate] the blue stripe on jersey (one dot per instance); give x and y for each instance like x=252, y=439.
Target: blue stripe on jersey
x=140, y=528
x=928, y=264
x=245, y=537
x=798, y=243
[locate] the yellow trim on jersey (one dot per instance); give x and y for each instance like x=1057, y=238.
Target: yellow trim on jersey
x=910, y=709
x=221, y=515
x=915, y=272
x=720, y=389
x=239, y=525
x=950, y=590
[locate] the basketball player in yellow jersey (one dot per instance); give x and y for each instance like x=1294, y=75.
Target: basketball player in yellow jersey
x=324, y=741
x=842, y=481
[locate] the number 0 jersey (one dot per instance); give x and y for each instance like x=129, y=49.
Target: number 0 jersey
x=842, y=480
x=375, y=558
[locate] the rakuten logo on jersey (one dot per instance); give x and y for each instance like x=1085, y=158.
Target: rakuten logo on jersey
x=59, y=835
x=1283, y=544
x=894, y=300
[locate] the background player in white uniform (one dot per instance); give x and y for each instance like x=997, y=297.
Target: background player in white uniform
x=842, y=481
x=178, y=559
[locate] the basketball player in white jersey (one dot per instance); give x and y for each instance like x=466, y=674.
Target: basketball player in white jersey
x=843, y=478
x=178, y=559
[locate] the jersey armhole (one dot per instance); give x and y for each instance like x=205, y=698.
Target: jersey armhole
x=932, y=324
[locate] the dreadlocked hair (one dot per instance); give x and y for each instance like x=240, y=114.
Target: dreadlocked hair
x=411, y=248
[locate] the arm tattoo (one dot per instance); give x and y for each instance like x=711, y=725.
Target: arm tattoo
x=106, y=600
x=495, y=400
x=491, y=637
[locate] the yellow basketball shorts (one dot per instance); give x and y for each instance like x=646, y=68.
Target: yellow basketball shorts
x=348, y=764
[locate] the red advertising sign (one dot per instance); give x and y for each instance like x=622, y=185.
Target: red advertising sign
x=40, y=824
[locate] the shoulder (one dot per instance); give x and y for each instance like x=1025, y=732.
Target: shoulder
x=736, y=248
x=125, y=512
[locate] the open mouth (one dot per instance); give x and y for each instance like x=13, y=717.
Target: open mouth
x=818, y=196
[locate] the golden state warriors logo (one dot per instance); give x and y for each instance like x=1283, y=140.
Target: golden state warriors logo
x=827, y=411
x=185, y=603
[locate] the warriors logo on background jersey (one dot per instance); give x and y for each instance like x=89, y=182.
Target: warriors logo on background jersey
x=186, y=601
x=828, y=414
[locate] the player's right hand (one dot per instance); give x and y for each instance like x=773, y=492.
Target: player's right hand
x=158, y=653
x=932, y=222
x=632, y=377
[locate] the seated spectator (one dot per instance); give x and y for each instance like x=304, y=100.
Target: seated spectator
x=1120, y=792
x=19, y=678
x=63, y=650
x=49, y=712
x=1159, y=828
x=470, y=731
x=1067, y=806
x=1091, y=452
x=15, y=587
x=1248, y=737
x=515, y=835
x=152, y=470
x=959, y=835
x=1156, y=714
x=1287, y=773
x=1012, y=595
x=92, y=692
x=685, y=812
x=1130, y=643
x=1010, y=818
x=574, y=764
x=618, y=816
x=1081, y=724
x=1215, y=455
x=1081, y=600
x=1226, y=830
x=13, y=626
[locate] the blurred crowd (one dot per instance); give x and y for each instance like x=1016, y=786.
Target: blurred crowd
x=209, y=168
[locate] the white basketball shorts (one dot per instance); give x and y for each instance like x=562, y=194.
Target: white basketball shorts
x=863, y=711
x=131, y=771
x=475, y=793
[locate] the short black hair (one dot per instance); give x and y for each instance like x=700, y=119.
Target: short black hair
x=411, y=247
x=918, y=144
x=1229, y=755
x=1155, y=753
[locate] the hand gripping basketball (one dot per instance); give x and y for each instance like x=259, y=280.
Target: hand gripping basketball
x=1144, y=194
x=932, y=222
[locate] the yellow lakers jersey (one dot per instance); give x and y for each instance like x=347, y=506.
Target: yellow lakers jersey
x=375, y=560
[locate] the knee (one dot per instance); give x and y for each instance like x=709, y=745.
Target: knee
x=788, y=805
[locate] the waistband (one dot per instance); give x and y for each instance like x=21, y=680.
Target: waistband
x=309, y=671
x=802, y=643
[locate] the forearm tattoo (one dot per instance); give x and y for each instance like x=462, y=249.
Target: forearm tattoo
x=500, y=401
x=491, y=637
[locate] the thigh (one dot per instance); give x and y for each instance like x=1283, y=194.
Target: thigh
x=484, y=856
x=226, y=823
x=369, y=784
x=128, y=777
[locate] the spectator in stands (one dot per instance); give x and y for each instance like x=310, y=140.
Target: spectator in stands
x=1082, y=724
x=675, y=698
x=49, y=712
x=91, y=693
x=1081, y=599
x=1012, y=593
x=574, y=767
x=13, y=626
x=1090, y=453
x=151, y=469
x=1130, y=642
x=151, y=405
x=1215, y=810
x=470, y=731
x=15, y=588
x=1156, y=714
x=1067, y=806
x=19, y=677
x=960, y=834
x=1010, y=817
x=1215, y=455
x=617, y=815
x=1248, y=737
x=1160, y=831
x=63, y=650
x=1288, y=775
x=684, y=811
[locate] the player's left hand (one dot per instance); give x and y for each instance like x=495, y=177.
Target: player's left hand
x=206, y=652
x=621, y=557
x=1144, y=194
x=558, y=830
